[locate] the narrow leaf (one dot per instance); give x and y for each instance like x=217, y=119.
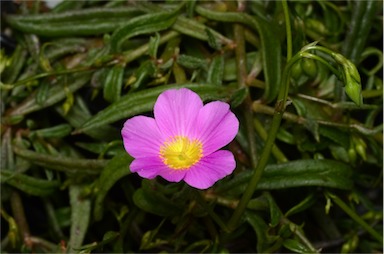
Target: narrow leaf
x=155, y=203
x=116, y=168
x=61, y=163
x=28, y=184
x=80, y=217
x=143, y=101
x=148, y=23
x=113, y=83
x=326, y=173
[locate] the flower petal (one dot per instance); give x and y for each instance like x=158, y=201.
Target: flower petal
x=176, y=110
x=210, y=169
x=216, y=126
x=141, y=137
x=151, y=167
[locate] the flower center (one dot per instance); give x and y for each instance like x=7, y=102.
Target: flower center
x=181, y=152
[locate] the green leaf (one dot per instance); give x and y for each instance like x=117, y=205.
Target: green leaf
x=191, y=62
x=143, y=101
x=153, y=45
x=264, y=240
x=230, y=69
x=363, y=13
x=308, y=173
x=13, y=68
x=192, y=28
x=258, y=204
x=326, y=173
x=100, y=148
x=89, y=21
x=113, y=83
x=42, y=92
x=61, y=163
x=28, y=184
x=216, y=71
x=155, y=202
x=146, y=70
x=274, y=210
x=55, y=94
x=80, y=217
x=79, y=113
x=239, y=96
x=303, y=205
x=296, y=246
x=108, y=237
x=58, y=131
x=271, y=47
x=144, y=24
x=77, y=15
x=336, y=135
x=117, y=168
x=148, y=240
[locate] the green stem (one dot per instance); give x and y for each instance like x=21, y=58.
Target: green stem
x=279, y=110
x=278, y=114
x=279, y=155
x=287, y=29
x=355, y=217
x=321, y=60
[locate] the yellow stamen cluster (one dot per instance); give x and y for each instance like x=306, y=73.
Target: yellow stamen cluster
x=181, y=152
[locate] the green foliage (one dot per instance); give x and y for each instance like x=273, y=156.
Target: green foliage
x=303, y=77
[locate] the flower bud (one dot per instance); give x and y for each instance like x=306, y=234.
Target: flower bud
x=296, y=70
x=360, y=147
x=4, y=61
x=352, y=154
x=316, y=26
x=351, y=79
x=350, y=245
x=309, y=67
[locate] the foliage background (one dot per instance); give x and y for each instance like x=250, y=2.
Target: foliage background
x=71, y=75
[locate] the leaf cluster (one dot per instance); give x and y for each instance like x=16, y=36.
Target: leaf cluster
x=303, y=77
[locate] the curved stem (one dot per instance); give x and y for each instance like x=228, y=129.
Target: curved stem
x=279, y=155
x=321, y=60
x=279, y=110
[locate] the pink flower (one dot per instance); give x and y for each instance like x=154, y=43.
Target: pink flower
x=182, y=142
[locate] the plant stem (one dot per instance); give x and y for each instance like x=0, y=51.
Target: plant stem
x=251, y=187
x=287, y=29
x=355, y=217
x=279, y=109
x=279, y=155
